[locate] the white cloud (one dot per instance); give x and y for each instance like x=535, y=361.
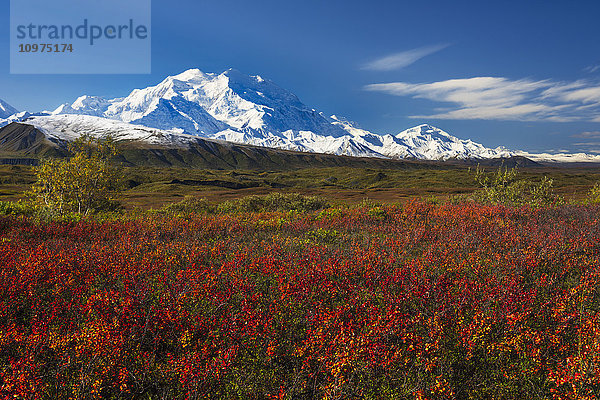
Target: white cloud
x=592, y=134
x=402, y=59
x=496, y=98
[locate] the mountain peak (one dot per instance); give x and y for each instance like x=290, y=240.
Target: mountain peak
x=249, y=109
x=425, y=129
x=88, y=105
x=6, y=110
x=235, y=74
x=89, y=101
x=192, y=74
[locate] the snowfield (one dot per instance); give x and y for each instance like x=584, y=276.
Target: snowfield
x=67, y=127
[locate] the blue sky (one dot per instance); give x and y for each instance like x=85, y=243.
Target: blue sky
x=525, y=75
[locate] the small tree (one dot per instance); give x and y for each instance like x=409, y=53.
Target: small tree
x=505, y=187
x=82, y=183
x=501, y=187
x=593, y=196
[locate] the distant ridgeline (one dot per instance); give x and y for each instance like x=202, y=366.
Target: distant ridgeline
x=21, y=143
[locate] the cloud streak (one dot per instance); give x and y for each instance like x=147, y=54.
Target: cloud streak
x=588, y=135
x=592, y=68
x=496, y=98
x=403, y=59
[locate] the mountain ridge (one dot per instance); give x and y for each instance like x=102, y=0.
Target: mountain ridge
x=249, y=109
x=142, y=146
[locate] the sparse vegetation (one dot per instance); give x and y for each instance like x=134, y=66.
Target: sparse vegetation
x=154, y=187
x=275, y=202
x=189, y=205
x=272, y=202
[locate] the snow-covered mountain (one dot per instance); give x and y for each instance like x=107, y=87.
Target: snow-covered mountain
x=422, y=142
x=560, y=157
x=85, y=105
x=252, y=110
x=204, y=104
x=6, y=110
x=21, y=116
x=68, y=127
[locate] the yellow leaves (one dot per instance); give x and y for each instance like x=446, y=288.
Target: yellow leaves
x=442, y=387
x=299, y=351
x=79, y=184
x=185, y=339
x=96, y=387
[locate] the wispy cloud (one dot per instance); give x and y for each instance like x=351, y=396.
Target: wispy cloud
x=495, y=98
x=592, y=68
x=587, y=144
x=588, y=147
x=587, y=135
x=403, y=59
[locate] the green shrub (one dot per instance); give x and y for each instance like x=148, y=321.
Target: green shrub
x=17, y=208
x=432, y=199
x=292, y=202
x=329, y=214
x=275, y=202
x=188, y=205
x=593, y=196
x=504, y=187
x=323, y=235
x=368, y=203
x=542, y=193
x=378, y=213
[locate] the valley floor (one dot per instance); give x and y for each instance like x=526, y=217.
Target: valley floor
x=148, y=187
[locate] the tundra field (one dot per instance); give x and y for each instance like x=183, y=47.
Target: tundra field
x=296, y=297
x=149, y=187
